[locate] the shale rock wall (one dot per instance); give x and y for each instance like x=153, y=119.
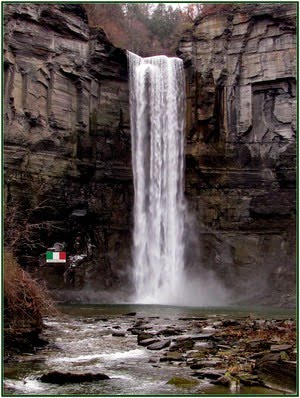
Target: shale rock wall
x=67, y=142
x=67, y=137
x=240, y=150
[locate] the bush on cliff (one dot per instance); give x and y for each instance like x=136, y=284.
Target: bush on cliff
x=25, y=303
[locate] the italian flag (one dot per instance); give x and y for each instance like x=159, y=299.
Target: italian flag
x=56, y=257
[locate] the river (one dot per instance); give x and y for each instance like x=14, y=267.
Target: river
x=81, y=339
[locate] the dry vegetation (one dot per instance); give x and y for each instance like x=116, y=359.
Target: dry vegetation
x=148, y=29
x=281, y=332
x=211, y=9
x=144, y=28
x=25, y=300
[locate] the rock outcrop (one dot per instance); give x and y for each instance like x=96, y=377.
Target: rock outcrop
x=240, y=151
x=67, y=137
x=68, y=154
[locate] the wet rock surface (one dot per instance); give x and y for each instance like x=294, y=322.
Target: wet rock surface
x=233, y=353
x=66, y=377
x=159, y=345
x=277, y=371
x=85, y=346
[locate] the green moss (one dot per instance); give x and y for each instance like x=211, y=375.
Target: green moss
x=182, y=382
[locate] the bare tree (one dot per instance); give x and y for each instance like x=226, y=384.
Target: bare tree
x=26, y=223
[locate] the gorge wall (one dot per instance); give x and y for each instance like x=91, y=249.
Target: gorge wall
x=67, y=142
x=240, y=149
x=67, y=136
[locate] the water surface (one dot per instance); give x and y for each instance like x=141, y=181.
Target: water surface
x=81, y=340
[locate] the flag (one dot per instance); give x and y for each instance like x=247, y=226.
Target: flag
x=56, y=257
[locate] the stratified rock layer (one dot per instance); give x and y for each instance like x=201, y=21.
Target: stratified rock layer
x=240, y=153
x=67, y=138
x=67, y=141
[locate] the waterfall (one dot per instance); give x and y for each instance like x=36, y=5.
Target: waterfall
x=157, y=112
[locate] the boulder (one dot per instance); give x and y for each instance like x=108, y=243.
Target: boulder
x=277, y=373
x=135, y=331
x=210, y=373
x=147, y=342
x=172, y=356
x=230, y=322
x=170, y=332
x=144, y=336
x=119, y=333
x=280, y=347
x=203, y=336
x=248, y=379
x=205, y=364
x=182, y=382
x=229, y=381
x=159, y=345
x=259, y=344
x=182, y=344
x=57, y=377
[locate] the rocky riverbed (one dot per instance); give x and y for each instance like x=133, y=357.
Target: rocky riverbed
x=159, y=350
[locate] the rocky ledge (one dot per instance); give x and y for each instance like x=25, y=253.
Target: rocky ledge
x=228, y=352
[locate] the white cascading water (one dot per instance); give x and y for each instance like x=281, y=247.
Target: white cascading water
x=157, y=110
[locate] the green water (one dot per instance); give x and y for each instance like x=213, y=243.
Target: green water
x=174, y=311
x=81, y=340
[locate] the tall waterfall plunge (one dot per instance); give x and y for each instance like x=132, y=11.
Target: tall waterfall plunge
x=157, y=103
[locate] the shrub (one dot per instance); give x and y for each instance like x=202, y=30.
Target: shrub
x=25, y=300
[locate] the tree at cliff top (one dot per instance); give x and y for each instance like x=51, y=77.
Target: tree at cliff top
x=210, y=9
x=146, y=29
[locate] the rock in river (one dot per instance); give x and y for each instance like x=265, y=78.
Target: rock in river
x=170, y=332
x=119, y=333
x=159, y=345
x=57, y=377
x=209, y=373
x=182, y=382
x=172, y=356
x=182, y=344
x=205, y=364
x=277, y=373
x=145, y=336
x=148, y=342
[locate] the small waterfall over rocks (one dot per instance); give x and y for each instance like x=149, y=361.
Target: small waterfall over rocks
x=157, y=110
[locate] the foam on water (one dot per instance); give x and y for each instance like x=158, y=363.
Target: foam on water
x=108, y=356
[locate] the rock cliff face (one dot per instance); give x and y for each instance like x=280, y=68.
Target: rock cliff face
x=67, y=141
x=67, y=137
x=240, y=169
